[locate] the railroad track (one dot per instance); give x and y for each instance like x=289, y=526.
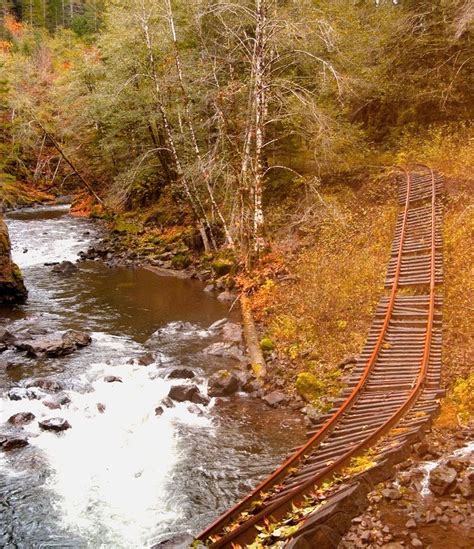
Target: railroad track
x=394, y=385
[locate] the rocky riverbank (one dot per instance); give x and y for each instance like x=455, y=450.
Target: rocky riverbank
x=429, y=502
x=119, y=248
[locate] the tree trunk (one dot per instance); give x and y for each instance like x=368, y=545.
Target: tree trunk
x=260, y=111
x=189, y=121
x=69, y=162
x=194, y=201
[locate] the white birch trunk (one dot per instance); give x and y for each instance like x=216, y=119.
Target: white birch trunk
x=195, y=146
x=260, y=110
x=169, y=133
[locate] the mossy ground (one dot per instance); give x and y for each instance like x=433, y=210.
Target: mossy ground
x=458, y=310
x=14, y=193
x=320, y=312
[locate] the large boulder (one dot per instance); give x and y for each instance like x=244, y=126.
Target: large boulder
x=442, y=478
x=181, y=393
x=12, y=287
x=54, y=345
x=223, y=383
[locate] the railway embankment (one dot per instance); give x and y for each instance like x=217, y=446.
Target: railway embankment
x=418, y=268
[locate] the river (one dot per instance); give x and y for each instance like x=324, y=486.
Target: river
x=124, y=478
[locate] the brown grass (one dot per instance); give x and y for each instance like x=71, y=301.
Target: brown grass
x=324, y=314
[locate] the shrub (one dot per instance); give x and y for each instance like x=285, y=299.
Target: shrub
x=267, y=345
x=462, y=396
x=181, y=261
x=222, y=266
x=309, y=386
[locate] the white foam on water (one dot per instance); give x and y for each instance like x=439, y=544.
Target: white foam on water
x=109, y=472
x=464, y=451
x=427, y=466
x=54, y=240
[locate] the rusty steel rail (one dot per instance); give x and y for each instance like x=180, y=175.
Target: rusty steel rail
x=384, y=389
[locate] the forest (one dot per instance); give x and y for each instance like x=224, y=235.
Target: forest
x=225, y=108
x=256, y=145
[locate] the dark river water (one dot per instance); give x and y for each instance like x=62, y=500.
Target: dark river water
x=125, y=478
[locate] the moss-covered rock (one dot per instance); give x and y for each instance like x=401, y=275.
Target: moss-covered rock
x=309, y=386
x=12, y=287
x=267, y=345
x=181, y=261
x=222, y=266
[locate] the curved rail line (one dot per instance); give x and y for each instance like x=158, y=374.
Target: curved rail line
x=387, y=382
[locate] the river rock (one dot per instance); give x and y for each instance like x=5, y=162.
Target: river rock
x=181, y=373
x=181, y=541
x=112, y=379
x=194, y=409
x=6, y=337
x=347, y=361
x=20, y=419
x=12, y=288
x=232, y=332
x=225, y=350
x=146, y=359
x=55, y=424
x=46, y=384
x=466, y=487
x=54, y=345
x=312, y=413
x=167, y=402
x=421, y=448
x=55, y=402
x=181, y=393
x=36, y=330
x=6, y=365
x=77, y=338
x=275, y=399
x=223, y=383
x=65, y=267
x=391, y=493
x=441, y=479
x=51, y=346
x=218, y=324
x=226, y=296
x=12, y=442
x=19, y=393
